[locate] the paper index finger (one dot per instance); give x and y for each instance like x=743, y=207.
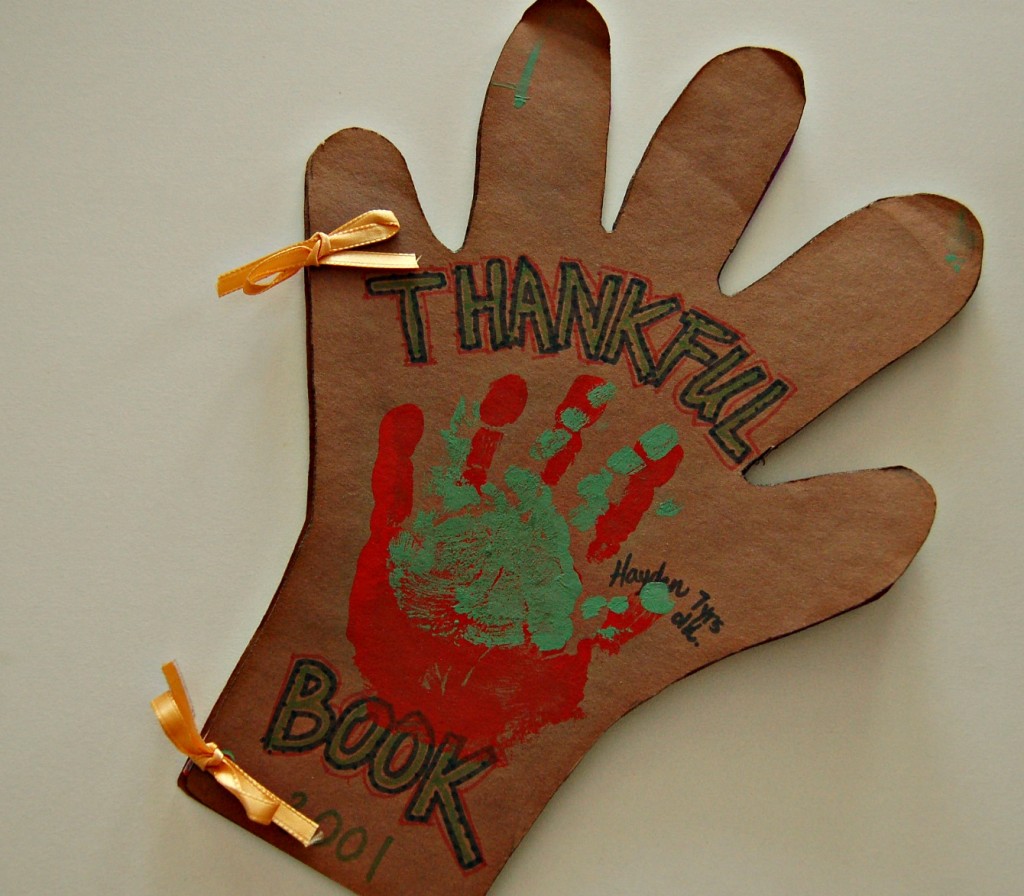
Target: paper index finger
x=711, y=160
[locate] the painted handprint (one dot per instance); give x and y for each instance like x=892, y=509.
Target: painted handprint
x=471, y=610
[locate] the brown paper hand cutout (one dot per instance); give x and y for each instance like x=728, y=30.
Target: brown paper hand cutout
x=527, y=506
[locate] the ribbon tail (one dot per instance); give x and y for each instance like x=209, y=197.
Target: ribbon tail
x=174, y=712
x=264, y=807
x=356, y=258
x=260, y=275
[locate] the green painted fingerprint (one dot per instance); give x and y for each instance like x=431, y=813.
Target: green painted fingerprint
x=592, y=606
x=654, y=598
x=574, y=419
x=659, y=440
x=549, y=443
x=625, y=461
x=599, y=396
x=619, y=604
x=594, y=491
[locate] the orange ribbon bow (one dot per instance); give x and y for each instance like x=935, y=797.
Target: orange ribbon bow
x=174, y=713
x=335, y=248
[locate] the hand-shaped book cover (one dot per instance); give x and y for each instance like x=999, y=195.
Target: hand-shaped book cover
x=527, y=510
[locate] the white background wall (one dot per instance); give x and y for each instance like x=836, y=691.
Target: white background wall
x=153, y=439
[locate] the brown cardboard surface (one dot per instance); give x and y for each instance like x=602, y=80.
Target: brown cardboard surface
x=510, y=441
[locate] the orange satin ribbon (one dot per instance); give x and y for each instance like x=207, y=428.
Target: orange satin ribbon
x=174, y=713
x=335, y=248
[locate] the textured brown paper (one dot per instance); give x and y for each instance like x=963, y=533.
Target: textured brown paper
x=527, y=508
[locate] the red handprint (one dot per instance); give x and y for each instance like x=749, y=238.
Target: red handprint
x=472, y=610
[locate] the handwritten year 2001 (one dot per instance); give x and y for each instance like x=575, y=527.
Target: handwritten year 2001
x=349, y=844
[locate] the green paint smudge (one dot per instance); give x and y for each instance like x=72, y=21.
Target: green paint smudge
x=524, y=81
x=519, y=90
x=960, y=244
x=608, y=633
x=668, y=508
x=654, y=598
